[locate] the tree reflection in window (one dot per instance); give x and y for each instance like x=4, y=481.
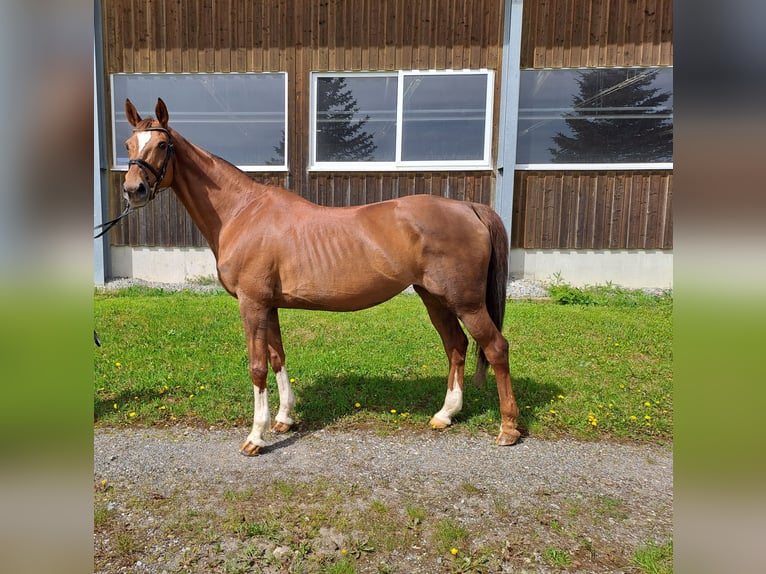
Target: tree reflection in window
x=618, y=116
x=340, y=132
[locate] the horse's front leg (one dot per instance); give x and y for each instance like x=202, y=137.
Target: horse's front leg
x=255, y=320
x=284, y=419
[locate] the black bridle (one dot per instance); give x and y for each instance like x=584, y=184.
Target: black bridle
x=145, y=167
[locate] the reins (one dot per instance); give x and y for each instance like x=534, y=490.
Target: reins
x=112, y=222
x=144, y=166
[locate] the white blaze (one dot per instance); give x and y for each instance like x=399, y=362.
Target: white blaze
x=143, y=139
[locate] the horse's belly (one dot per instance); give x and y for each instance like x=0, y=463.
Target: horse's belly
x=349, y=288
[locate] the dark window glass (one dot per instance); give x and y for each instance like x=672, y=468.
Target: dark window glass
x=239, y=117
x=444, y=117
x=356, y=118
x=604, y=115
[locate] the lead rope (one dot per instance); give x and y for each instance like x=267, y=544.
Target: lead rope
x=112, y=222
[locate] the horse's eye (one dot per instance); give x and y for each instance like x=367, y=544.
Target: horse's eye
x=163, y=145
x=127, y=147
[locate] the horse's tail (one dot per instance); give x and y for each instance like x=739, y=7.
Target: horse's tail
x=497, y=278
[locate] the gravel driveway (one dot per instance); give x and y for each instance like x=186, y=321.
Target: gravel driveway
x=594, y=502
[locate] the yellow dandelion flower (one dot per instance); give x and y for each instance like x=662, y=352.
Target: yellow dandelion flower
x=453, y=551
x=647, y=417
x=292, y=380
x=647, y=404
x=357, y=405
x=162, y=407
x=115, y=405
x=393, y=411
x=633, y=417
x=343, y=551
x=132, y=414
x=191, y=396
x=552, y=411
x=202, y=387
x=118, y=364
x=560, y=396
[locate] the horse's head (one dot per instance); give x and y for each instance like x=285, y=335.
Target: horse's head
x=150, y=149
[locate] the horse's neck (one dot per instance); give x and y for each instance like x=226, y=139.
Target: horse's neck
x=212, y=191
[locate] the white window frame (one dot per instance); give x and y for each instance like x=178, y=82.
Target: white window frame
x=117, y=166
x=398, y=164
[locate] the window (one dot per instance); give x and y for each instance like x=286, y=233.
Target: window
x=239, y=117
x=401, y=120
x=597, y=117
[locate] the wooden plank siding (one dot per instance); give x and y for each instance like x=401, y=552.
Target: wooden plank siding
x=298, y=37
x=597, y=33
x=593, y=210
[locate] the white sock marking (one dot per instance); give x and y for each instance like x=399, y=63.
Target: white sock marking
x=286, y=398
x=261, y=417
x=453, y=402
x=143, y=139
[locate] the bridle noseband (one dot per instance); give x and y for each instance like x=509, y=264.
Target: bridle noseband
x=144, y=167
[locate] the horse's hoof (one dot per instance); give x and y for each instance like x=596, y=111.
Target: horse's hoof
x=249, y=449
x=280, y=427
x=507, y=438
x=438, y=424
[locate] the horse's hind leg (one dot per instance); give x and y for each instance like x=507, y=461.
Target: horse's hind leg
x=455, y=344
x=283, y=420
x=495, y=347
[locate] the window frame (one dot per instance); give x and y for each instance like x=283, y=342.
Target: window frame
x=399, y=164
x=601, y=166
x=117, y=166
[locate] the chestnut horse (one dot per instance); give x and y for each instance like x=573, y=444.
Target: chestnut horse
x=275, y=250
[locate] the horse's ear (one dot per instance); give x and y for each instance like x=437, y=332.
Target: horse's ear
x=131, y=113
x=161, y=111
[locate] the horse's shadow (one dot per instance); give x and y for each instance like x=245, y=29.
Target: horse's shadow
x=328, y=400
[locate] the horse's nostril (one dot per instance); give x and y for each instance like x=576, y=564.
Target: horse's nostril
x=141, y=190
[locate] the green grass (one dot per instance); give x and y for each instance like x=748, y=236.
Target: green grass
x=655, y=558
x=589, y=371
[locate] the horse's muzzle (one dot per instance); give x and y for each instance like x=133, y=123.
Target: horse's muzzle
x=136, y=195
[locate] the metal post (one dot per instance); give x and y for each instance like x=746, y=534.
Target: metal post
x=509, y=110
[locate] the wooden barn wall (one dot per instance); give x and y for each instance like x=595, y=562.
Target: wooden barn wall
x=593, y=210
x=585, y=209
x=297, y=37
x=596, y=33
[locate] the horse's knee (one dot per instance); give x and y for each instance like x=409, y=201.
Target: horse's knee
x=258, y=374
